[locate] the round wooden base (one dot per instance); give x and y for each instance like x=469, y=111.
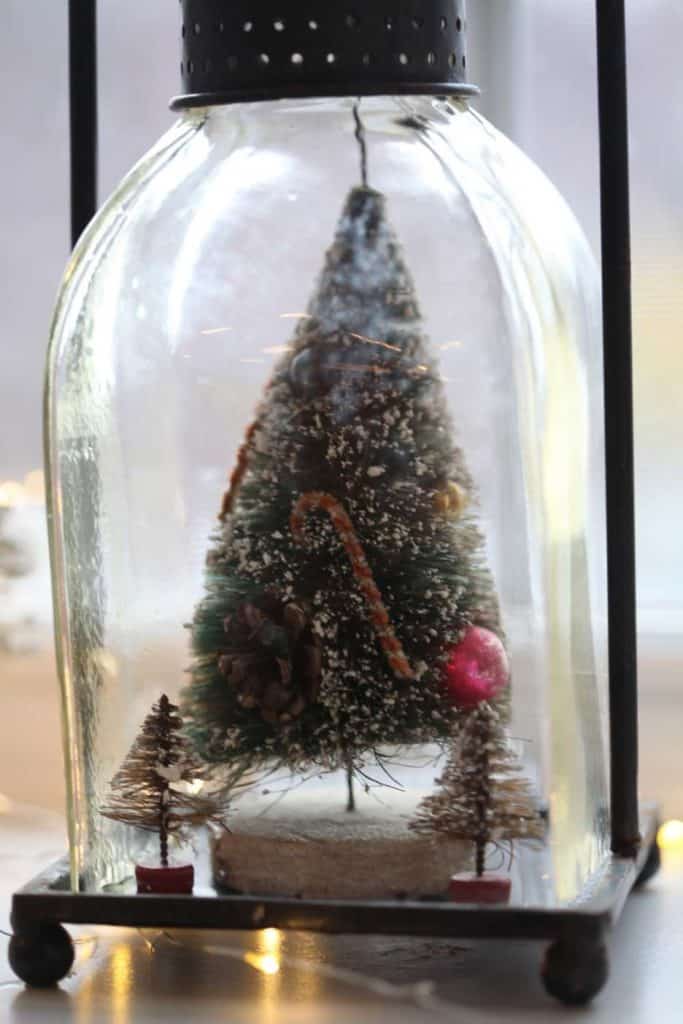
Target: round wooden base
x=363, y=855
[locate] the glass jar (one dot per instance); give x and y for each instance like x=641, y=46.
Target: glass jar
x=398, y=383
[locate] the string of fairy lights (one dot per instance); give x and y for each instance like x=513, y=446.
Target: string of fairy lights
x=18, y=493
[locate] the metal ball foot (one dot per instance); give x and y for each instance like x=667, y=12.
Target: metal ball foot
x=574, y=971
x=651, y=866
x=41, y=954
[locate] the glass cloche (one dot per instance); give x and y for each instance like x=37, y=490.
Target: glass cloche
x=324, y=438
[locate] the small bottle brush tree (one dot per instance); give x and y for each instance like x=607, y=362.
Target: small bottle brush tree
x=145, y=794
x=346, y=567
x=482, y=797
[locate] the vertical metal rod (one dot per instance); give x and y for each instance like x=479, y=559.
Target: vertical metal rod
x=616, y=285
x=362, y=143
x=83, y=112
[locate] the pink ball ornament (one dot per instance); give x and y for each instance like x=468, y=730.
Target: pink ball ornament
x=477, y=668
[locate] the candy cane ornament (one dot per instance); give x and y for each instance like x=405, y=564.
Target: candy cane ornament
x=362, y=572
x=239, y=471
x=242, y=462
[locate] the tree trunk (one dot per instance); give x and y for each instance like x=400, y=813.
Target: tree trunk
x=480, y=856
x=164, y=795
x=163, y=827
x=351, y=799
x=483, y=794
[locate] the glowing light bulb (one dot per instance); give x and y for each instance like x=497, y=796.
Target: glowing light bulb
x=670, y=835
x=34, y=486
x=266, y=963
x=270, y=939
x=11, y=494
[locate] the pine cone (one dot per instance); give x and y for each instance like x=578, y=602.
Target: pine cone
x=272, y=659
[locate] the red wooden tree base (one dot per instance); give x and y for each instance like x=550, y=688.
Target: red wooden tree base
x=471, y=888
x=169, y=881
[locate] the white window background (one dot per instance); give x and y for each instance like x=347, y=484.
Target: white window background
x=535, y=63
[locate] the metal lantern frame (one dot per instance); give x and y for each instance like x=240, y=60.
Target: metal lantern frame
x=575, y=966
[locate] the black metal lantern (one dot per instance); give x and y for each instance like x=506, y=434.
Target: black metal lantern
x=410, y=564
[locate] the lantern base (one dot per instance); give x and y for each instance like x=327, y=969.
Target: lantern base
x=574, y=968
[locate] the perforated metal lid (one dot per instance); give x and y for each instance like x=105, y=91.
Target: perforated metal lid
x=235, y=50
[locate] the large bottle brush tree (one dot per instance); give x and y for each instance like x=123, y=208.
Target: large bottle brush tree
x=348, y=566
x=345, y=568
x=159, y=789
